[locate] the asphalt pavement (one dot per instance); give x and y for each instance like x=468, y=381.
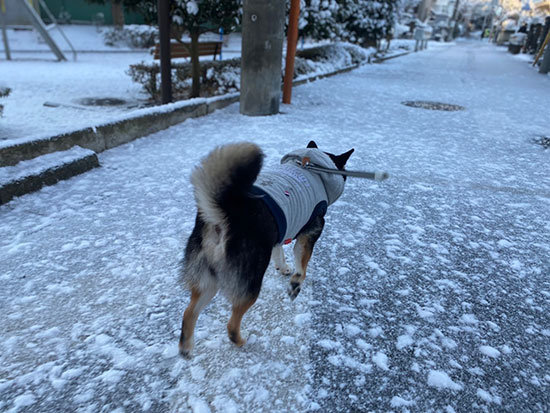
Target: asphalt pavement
x=426, y=292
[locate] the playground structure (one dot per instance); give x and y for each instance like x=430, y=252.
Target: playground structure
x=15, y=12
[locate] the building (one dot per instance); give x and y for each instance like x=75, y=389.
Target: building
x=443, y=8
x=15, y=14
x=74, y=11
x=80, y=11
x=440, y=19
x=541, y=7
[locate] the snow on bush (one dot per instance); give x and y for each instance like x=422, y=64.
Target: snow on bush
x=217, y=78
x=138, y=36
x=4, y=91
x=320, y=19
x=359, y=21
x=221, y=77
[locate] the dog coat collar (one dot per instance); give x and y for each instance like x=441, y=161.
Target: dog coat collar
x=333, y=184
x=294, y=195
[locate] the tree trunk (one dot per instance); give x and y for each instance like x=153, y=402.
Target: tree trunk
x=196, y=68
x=370, y=42
x=118, y=13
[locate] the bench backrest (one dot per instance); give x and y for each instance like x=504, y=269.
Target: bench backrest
x=183, y=49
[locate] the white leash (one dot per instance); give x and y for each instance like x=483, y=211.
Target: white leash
x=376, y=175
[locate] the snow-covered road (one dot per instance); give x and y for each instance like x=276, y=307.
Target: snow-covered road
x=428, y=292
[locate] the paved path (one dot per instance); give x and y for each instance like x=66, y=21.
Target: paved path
x=428, y=292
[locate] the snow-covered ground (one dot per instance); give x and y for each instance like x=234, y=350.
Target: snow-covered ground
x=36, y=78
x=427, y=292
x=83, y=38
x=47, y=95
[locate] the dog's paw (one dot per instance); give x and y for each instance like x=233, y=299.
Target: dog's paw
x=236, y=339
x=294, y=289
x=185, y=352
x=284, y=269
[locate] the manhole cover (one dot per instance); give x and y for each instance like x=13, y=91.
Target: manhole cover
x=543, y=141
x=101, y=102
x=424, y=104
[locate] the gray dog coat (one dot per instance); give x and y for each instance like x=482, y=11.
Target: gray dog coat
x=295, y=195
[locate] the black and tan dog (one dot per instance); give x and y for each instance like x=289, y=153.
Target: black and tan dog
x=243, y=219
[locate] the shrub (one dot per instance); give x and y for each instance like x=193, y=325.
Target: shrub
x=217, y=78
x=4, y=91
x=220, y=77
x=139, y=36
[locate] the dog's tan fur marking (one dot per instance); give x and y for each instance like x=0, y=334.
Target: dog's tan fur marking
x=302, y=254
x=234, y=324
x=199, y=300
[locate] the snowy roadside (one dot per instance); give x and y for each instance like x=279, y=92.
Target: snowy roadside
x=48, y=97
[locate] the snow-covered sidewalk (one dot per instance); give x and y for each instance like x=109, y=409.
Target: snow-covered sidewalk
x=428, y=292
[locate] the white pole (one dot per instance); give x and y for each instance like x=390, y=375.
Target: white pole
x=4, y=31
x=39, y=25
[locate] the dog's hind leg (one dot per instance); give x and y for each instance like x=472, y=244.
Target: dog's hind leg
x=234, y=324
x=199, y=300
x=252, y=268
x=302, y=254
x=278, y=257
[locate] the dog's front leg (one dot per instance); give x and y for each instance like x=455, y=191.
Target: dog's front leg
x=278, y=257
x=302, y=254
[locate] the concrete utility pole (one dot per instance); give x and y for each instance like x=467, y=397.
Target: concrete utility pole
x=4, y=31
x=164, y=40
x=262, y=53
x=424, y=9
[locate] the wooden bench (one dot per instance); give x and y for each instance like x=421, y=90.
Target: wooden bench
x=183, y=49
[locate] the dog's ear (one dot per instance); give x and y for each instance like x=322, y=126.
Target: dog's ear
x=340, y=160
x=312, y=144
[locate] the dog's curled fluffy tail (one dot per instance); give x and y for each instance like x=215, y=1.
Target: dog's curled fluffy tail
x=224, y=177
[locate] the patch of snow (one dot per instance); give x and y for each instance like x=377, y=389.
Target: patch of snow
x=397, y=401
x=489, y=351
x=404, y=341
x=381, y=360
x=441, y=380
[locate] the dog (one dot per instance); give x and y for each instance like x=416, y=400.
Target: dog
x=244, y=216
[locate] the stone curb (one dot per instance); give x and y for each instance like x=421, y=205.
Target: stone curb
x=383, y=59
x=110, y=135
x=49, y=176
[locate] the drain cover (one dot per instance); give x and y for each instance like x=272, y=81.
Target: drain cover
x=425, y=104
x=543, y=141
x=101, y=102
